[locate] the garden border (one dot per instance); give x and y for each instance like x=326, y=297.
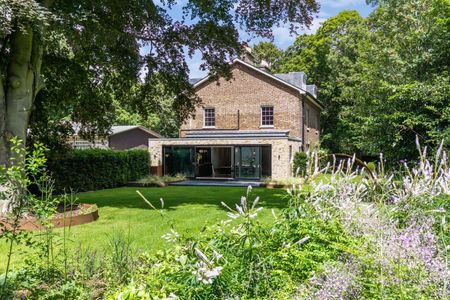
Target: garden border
x=31, y=224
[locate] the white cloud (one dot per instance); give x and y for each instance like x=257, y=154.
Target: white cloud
x=283, y=38
x=317, y=22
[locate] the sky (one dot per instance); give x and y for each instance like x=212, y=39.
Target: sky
x=282, y=37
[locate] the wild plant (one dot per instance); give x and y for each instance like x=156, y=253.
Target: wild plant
x=404, y=250
x=30, y=195
x=121, y=257
x=238, y=257
x=15, y=179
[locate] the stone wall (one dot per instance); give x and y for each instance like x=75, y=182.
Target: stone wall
x=283, y=150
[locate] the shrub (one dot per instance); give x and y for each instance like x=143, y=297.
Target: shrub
x=300, y=163
x=345, y=237
x=93, y=169
x=371, y=166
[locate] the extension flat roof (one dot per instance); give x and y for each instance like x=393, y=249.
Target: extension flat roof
x=215, y=134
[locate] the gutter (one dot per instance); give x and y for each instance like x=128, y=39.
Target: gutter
x=303, y=124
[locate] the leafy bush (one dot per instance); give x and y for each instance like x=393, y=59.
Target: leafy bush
x=93, y=169
x=346, y=236
x=240, y=258
x=307, y=163
x=371, y=166
x=300, y=163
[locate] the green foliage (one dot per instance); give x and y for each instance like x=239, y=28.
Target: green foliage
x=245, y=259
x=383, y=80
x=299, y=165
x=409, y=90
x=80, y=65
x=371, y=166
x=327, y=57
x=153, y=180
x=267, y=51
x=92, y=169
x=17, y=201
x=345, y=237
x=155, y=112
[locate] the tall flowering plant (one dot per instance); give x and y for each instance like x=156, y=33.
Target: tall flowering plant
x=401, y=221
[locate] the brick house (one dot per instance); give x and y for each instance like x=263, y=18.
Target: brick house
x=248, y=127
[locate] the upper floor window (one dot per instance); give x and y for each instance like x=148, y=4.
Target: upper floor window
x=209, y=117
x=267, y=116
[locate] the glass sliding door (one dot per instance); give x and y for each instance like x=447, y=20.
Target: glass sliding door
x=204, y=167
x=266, y=161
x=248, y=161
x=179, y=160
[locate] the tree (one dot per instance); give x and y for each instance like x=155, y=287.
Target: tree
x=267, y=51
x=383, y=80
x=156, y=113
x=327, y=57
x=88, y=52
x=399, y=88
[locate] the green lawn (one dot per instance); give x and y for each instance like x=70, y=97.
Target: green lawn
x=187, y=209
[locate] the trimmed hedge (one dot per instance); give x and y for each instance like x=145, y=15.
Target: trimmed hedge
x=93, y=169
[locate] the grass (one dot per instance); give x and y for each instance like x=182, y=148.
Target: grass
x=186, y=209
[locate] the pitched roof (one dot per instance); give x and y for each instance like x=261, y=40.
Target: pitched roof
x=278, y=79
x=122, y=128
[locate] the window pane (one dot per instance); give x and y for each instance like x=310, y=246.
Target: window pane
x=267, y=115
x=178, y=160
x=210, y=117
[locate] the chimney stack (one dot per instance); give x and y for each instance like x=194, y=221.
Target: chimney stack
x=247, y=55
x=264, y=65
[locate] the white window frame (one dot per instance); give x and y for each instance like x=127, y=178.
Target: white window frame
x=261, y=116
x=204, y=117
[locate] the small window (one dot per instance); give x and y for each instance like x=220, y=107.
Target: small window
x=267, y=115
x=210, y=117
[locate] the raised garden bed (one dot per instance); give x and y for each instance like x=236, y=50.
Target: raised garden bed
x=146, y=184
x=81, y=214
x=155, y=181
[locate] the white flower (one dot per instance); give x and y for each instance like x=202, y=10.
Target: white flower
x=171, y=237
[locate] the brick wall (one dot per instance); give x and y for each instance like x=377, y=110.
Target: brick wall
x=246, y=92
x=312, y=125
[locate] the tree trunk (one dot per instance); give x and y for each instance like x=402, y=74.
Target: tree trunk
x=22, y=85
